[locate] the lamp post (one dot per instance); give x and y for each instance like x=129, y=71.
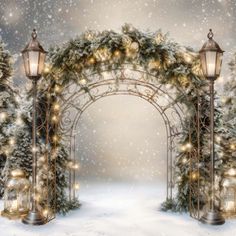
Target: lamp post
x=211, y=60
x=34, y=57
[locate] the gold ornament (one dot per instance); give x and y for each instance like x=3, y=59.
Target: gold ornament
x=90, y=35
x=91, y=60
x=132, y=50
x=102, y=54
x=126, y=41
x=117, y=53
x=57, y=88
x=154, y=64
x=184, y=81
x=159, y=38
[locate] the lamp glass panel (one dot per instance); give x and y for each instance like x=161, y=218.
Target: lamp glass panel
x=34, y=62
x=26, y=62
x=41, y=62
x=219, y=63
x=211, y=63
x=203, y=63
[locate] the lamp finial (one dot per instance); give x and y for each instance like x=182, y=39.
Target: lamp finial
x=34, y=34
x=210, y=34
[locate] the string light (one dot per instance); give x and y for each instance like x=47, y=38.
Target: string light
x=76, y=186
x=3, y=116
x=70, y=164
x=19, y=121
x=183, y=148
x=117, y=53
x=34, y=149
x=7, y=152
x=76, y=166
x=188, y=146
x=45, y=212
x=54, y=118
x=56, y=107
x=46, y=69
x=37, y=197
x=232, y=146
x=218, y=138
x=83, y=81
x=194, y=176
x=224, y=100
x=57, y=89
x=232, y=172
x=179, y=178
x=11, y=141
x=55, y=138
x=91, y=60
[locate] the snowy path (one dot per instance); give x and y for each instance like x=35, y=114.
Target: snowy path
x=119, y=210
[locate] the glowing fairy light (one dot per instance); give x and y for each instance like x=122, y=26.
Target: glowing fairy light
x=34, y=149
x=83, y=81
x=76, y=186
x=54, y=118
x=218, y=138
x=117, y=53
x=11, y=141
x=19, y=121
x=56, y=107
x=76, y=166
x=57, y=89
x=46, y=69
x=45, y=212
x=55, y=138
x=188, y=146
x=232, y=146
x=3, y=116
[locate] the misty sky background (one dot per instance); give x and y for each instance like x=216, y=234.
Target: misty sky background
x=121, y=137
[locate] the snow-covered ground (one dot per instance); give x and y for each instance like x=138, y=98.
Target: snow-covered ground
x=119, y=210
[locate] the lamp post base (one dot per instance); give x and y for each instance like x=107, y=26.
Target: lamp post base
x=212, y=217
x=34, y=218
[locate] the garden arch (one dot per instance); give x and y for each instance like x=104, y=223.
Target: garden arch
x=73, y=103
x=146, y=65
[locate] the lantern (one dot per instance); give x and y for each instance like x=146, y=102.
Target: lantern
x=211, y=58
x=16, y=195
x=34, y=58
x=228, y=202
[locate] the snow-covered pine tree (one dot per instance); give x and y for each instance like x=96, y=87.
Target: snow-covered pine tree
x=7, y=110
x=228, y=139
x=19, y=130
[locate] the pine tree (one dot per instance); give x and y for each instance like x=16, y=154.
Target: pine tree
x=228, y=138
x=7, y=110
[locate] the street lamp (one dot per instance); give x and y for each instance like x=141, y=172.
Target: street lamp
x=34, y=58
x=211, y=60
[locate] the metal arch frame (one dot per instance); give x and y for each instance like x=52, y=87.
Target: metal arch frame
x=162, y=111
x=153, y=81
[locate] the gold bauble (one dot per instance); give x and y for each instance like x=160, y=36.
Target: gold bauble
x=126, y=41
x=102, y=54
